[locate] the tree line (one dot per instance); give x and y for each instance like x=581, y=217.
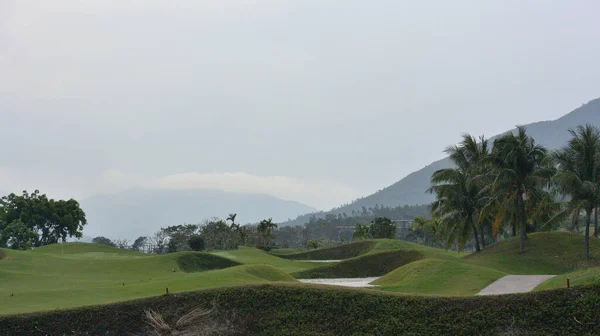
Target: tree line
x=513, y=186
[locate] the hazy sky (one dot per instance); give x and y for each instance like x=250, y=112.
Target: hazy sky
x=318, y=101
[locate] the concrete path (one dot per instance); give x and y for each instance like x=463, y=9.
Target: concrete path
x=514, y=284
x=345, y=282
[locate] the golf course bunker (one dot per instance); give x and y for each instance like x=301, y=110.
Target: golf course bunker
x=344, y=282
x=514, y=284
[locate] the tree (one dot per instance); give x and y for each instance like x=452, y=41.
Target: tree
x=18, y=236
x=382, y=227
x=138, y=244
x=178, y=236
x=196, y=243
x=361, y=232
x=103, y=241
x=519, y=173
x=266, y=227
x=578, y=173
x=52, y=220
x=218, y=235
x=159, y=242
x=458, y=200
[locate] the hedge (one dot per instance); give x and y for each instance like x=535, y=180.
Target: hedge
x=311, y=310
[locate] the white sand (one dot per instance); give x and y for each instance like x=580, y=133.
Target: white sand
x=345, y=282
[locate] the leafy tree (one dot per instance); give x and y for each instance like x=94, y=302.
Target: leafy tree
x=314, y=244
x=458, y=202
x=103, y=241
x=196, y=243
x=218, y=235
x=266, y=227
x=159, y=241
x=52, y=220
x=178, y=236
x=361, y=232
x=138, y=244
x=520, y=172
x=382, y=227
x=578, y=173
x=18, y=236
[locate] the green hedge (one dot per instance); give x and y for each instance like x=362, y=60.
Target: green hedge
x=198, y=262
x=311, y=310
x=334, y=253
x=369, y=265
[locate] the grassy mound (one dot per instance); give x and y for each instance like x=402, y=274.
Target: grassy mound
x=438, y=277
x=302, y=310
x=83, y=248
x=546, y=253
x=335, y=253
x=2, y=254
x=268, y=273
x=372, y=264
x=250, y=256
x=285, y=251
x=581, y=277
x=198, y=262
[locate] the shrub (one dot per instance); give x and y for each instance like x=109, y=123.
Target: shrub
x=196, y=243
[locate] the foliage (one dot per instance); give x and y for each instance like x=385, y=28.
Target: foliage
x=579, y=175
x=303, y=310
x=218, y=235
x=196, y=243
x=382, y=227
x=103, y=241
x=18, y=236
x=361, y=232
x=51, y=220
x=139, y=243
x=265, y=228
x=178, y=236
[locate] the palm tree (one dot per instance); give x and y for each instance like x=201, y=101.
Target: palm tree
x=266, y=227
x=519, y=173
x=457, y=191
x=578, y=172
x=231, y=218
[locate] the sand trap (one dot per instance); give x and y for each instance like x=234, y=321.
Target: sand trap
x=514, y=284
x=345, y=282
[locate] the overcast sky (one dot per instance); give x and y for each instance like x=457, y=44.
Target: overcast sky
x=318, y=101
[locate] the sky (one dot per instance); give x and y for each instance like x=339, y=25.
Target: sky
x=317, y=101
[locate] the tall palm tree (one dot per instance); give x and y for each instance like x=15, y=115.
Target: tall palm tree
x=578, y=172
x=457, y=191
x=519, y=172
x=266, y=227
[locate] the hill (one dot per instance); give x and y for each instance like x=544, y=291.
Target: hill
x=141, y=212
x=411, y=189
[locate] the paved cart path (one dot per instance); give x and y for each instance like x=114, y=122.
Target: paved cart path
x=514, y=284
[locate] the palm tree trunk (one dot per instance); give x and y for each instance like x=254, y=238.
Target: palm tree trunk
x=522, y=220
x=588, y=221
x=476, y=236
x=596, y=222
x=482, y=234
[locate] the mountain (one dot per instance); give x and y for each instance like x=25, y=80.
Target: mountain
x=141, y=212
x=411, y=189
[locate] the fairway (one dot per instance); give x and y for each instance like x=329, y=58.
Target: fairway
x=79, y=274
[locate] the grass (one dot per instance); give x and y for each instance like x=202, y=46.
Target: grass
x=546, y=253
x=85, y=274
x=581, y=277
x=344, y=251
x=438, y=277
x=369, y=265
x=285, y=251
x=296, y=309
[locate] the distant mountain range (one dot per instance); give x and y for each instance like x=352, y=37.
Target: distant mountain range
x=411, y=189
x=141, y=212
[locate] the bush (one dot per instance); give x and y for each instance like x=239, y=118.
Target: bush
x=311, y=310
x=382, y=227
x=196, y=243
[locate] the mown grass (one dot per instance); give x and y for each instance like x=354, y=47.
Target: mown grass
x=344, y=251
x=46, y=278
x=438, y=277
x=311, y=310
x=368, y=265
x=285, y=251
x=546, y=253
x=581, y=277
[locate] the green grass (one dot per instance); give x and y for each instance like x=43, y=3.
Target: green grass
x=546, y=253
x=296, y=309
x=79, y=274
x=581, y=277
x=438, y=277
x=368, y=265
x=285, y=251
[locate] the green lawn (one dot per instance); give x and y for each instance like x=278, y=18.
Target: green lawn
x=438, y=277
x=546, y=253
x=81, y=274
x=585, y=276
